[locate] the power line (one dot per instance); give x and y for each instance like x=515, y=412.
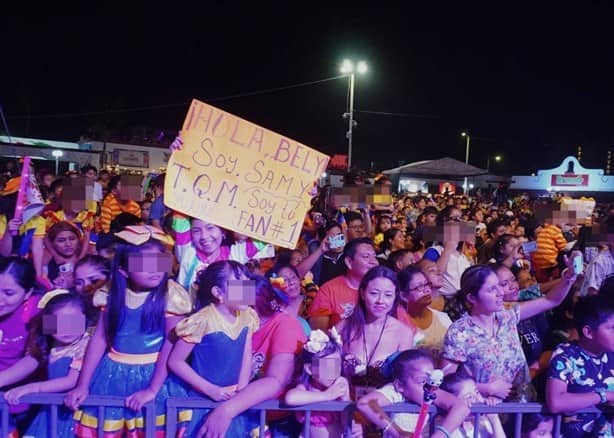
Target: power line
x=175, y=105
x=408, y=115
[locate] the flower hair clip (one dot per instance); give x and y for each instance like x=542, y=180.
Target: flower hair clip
x=318, y=340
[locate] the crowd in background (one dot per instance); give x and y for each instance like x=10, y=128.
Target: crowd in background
x=108, y=292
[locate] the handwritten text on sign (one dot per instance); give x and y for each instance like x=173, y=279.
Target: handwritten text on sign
x=241, y=176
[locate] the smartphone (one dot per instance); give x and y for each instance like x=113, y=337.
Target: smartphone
x=337, y=241
x=578, y=265
x=529, y=247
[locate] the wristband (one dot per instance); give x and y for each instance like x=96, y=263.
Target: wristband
x=443, y=430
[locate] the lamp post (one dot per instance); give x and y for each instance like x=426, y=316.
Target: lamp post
x=347, y=68
x=57, y=154
x=468, y=139
x=497, y=159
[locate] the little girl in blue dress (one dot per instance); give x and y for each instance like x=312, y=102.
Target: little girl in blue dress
x=129, y=349
x=218, y=340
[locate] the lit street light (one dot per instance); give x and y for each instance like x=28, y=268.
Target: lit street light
x=497, y=159
x=466, y=135
x=348, y=68
x=57, y=154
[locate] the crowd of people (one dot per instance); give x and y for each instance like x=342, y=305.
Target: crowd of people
x=107, y=292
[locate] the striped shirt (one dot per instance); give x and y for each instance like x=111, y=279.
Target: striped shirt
x=111, y=208
x=550, y=242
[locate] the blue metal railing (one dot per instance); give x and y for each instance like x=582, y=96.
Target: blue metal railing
x=173, y=405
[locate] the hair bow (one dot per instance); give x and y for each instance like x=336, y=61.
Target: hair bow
x=278, y=282
x=50, y=295
x=279, y=286
x=139, y=234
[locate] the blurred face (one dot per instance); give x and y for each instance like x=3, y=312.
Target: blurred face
x=508, y=284
x=296, y=258
x=489, y=298
x=147, y=268
x=65, y=243
x=525, y=279
x=356, y=229
x=421, y=204
x=455, y=215
x=325, y=370
x=398, y=242
x=240, y=293
x=385, y=224
x=85, y=275
x=519, y=231
x=468, y=391
x=11, y=294
x=363, y=260
x=91, y=174
x=500, y=231
x=65, y=325
x=379, y=296
x=432, y=273
x=206, y=237
x=544, y=430
x=145, y=210
x=405, y=261
x=293, y=283
x=512, y=247
x=48, y=179
x=478, y=216
x=419, y=291
x=430, y=219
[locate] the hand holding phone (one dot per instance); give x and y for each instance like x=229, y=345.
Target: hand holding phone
x=337, y=241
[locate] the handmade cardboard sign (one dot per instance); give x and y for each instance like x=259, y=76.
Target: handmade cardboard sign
x=241, y=176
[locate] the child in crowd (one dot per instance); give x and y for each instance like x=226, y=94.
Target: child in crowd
x=128, y=351
x=18, y=309
x=464, y=387
x=409, y=370
x=221, y=331
x=198, y=244
x=537, y=426
x=581, y=372
x=321, y=381
x=59, y=339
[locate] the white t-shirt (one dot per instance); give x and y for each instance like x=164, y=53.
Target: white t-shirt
x=457, y=264
x=597, y=271
x=407, y=422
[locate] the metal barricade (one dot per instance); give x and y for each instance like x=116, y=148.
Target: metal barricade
x=173, y=405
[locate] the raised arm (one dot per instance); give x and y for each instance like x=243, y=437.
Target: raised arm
x=554, y=297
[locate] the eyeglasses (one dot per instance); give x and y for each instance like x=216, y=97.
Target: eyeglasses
x=421, y=287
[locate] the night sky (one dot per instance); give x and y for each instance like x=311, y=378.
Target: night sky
x=528, y=83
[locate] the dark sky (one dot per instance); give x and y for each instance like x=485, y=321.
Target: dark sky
x=528, y=83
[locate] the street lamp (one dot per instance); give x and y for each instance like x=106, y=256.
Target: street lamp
x=466, y=135
x=497, y=159
x=57, y=154
x=348, y=68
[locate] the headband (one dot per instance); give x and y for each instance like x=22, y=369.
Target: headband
x=50, y=295
x=139, y=234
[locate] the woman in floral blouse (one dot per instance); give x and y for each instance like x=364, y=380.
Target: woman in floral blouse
x=485, y=341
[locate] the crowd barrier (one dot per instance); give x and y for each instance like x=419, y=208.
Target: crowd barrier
x=173, y=404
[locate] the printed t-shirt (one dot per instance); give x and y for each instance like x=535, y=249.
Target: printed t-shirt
x=335, y=299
